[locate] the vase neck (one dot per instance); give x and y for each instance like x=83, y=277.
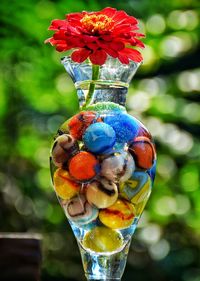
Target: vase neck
x=110, y=85
x=105, y=91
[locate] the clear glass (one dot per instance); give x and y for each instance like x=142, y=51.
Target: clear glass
x=103, y=166
x=112, y=84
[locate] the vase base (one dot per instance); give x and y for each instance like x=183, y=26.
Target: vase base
x=102, y=267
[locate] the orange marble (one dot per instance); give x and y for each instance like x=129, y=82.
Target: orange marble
x=143, y=132
x=83, y=166
x=143, y=152
x=79, y=123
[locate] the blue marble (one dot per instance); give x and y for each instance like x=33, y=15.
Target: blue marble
x=99, y=138
x=125, y=126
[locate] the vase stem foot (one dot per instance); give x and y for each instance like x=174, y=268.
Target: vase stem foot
x=102, y=267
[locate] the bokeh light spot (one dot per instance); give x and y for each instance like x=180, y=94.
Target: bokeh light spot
x=182, y=204
x=150, y=234
x=177, y=19
x=64, y=84
x=156, y=24
x=165, y=206
x=180, y=142
x=43, y=179
x=54, y=214
x=192, y=19
x=165, y=104
x=166, y=166
x=191, y=112
x=189, y=177
x=40, y=206
x=41, y=157
x=189, y=81
x=176, y=44
x=155, y=126
x=159, y=250
x=139, y=101
x=24, y=205
x=153, y=86
x=183, y=19
x=54, y=122
x=149, y=56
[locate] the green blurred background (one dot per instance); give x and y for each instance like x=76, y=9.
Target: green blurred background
x=37, y=96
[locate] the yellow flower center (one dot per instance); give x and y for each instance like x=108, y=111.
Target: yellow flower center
x=96, y=23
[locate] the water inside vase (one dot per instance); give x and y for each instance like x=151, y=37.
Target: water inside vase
x=105, y=91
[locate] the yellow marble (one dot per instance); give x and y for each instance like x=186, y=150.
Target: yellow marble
x=118, y=216
x=64, y=185
x=103, y=239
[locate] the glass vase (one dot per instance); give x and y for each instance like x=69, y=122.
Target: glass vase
x=103, y=167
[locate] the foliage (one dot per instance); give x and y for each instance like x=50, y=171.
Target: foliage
x=37, y=96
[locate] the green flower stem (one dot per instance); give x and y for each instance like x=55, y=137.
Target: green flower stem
x=95, y=76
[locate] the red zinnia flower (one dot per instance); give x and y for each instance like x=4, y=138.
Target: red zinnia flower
x=95, y=35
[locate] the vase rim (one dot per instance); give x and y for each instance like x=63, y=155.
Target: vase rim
x=68, y=58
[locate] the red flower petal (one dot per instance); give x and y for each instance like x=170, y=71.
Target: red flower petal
x=48, y=40
x=123, y=58
x=75, y=42
x=62, y=47
x=92, y=46
x=136, y=34
x=117, y=46
x=74, y=18
x=109, y=51
x=60, y=35
x=121, y=29
x=80, y=55
x=99, y=57
x=106, y=37
x=89, y=38
x=122, y=17
x=111, y=48
x=132, y=54
x=57, y=24
x=73, y=31
x=137, y=42
x=54, y=42
x=110, y=12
